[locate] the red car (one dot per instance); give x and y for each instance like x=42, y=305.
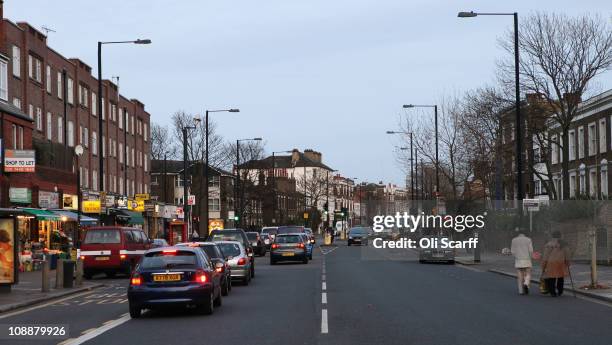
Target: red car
x=112, y=249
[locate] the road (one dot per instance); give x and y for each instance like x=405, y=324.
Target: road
x=346, y=295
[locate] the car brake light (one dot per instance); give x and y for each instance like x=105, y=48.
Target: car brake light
x=275, y=246
x=201, y=276
x=122, y=256
x=169, y=252
x=242, y=261
x=136, y=280
x=300, y=245
x=82, y=257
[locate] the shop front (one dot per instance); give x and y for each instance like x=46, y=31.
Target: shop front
x=9, y=249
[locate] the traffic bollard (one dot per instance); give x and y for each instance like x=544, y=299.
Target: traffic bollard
x=46, y=282
x=59, y=274
x=79, y=273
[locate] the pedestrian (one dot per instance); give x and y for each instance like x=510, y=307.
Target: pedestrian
x=555, y=264
x=332, y=234
x=522, y=249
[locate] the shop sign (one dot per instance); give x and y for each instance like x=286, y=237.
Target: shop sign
x=91, y=206
x=191, y=200
x=142, y=197
x=136, y=205
x=168, y=211
x=122, y=202
x=7, y=251
x=180, y=214
x=109, y=201
x=70, y=201
x=19, y=161
x=48, y=199
x=215, y=224
x=20, y=195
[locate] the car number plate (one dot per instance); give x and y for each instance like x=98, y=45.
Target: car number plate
x=288, y=254
x=166, y=277
x=437, y=255
x=102, y=258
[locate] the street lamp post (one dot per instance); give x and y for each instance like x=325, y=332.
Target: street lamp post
x=517, y=100
x=206, y=162
x=78, y=151
x=186, y=213
x=237, y=203
x=436, y=130
x=101, y=114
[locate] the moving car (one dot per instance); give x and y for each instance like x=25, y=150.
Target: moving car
x=159, y=242
x=270, y=230
x=112, y=249
x=437, y=254
x=235, y=235
x=258, y=245
x=309, y=245
x=174, y=276
x=290, y=229
x=288, y=247
x=216, y=256
x=267, y=240
x=358, y=235
x=310, y=234
x=236, y=256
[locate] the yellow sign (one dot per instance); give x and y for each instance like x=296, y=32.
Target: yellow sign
x=142, y=197
x=215, y=224
x=136, y=205
x=305, y=215
x=91, y=206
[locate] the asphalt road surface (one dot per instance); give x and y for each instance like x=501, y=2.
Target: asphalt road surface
x=346, y=295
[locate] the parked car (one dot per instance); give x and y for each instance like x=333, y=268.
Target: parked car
x=112, y=249
x=358, y=235
x=236, y=256
x=258, y=245
x=309, y=245
x=267, y=240
x=270, y=230
x=159, y=242
x=172, y=276
x=216, y=256
x=288, y=247
x=235, y=235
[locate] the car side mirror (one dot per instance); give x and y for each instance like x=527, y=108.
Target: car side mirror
x=229, y=258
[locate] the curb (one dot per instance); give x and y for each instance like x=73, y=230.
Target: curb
x=13, y=306
x=466, y=262
x=577, y=291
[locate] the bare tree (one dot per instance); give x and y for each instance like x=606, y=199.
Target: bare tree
x=163, y=145
x=560, y=57
x=196, y=139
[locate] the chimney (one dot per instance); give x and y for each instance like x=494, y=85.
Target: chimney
x=313, y=155
x=295, y=156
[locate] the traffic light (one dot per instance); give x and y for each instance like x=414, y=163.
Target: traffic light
x=236, y=218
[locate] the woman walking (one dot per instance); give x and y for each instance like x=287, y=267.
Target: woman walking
x=555, y=264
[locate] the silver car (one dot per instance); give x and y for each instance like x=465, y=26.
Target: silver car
x=236, y=256
x=437, y=254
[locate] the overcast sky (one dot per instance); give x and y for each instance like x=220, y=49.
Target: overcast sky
x=330, y=75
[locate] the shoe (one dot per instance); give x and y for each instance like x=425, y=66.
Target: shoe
x=526, y=289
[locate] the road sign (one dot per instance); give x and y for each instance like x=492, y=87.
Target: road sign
x=191, y=200
x=531, y=204
x=230, y=215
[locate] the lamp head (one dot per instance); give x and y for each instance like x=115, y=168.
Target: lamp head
x=467, y=14
x=234, y=110
x=142, y=41
x=257, y=139
x=405, y=106
x=390, y=132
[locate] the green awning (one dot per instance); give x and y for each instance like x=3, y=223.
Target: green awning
x=134, y=217
x=42, y=214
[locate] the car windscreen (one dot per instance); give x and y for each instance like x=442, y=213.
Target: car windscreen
x=288, y=239
x=290, y=230
x=102, y=236
x=270, y=231
x=230, y=249
x=251, y=236
x=226, y=236
x=164, y=260
x=358, y=231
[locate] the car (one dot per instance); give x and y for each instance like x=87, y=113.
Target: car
x=311, y=235
x=235, y=235
x=446, y=255
x=309, y=245
x=215, y=255
x=358, y=235
x=112, y=250
x=256, y=242
x=174, y=276
x=159, y=242
x=270, y=230
x=290, y=229
x=288, y=247
x=236, y=256
x=267, y=240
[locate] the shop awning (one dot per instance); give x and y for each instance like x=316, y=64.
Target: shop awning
x=132, y=217
x=42, y=214
x=73, y=217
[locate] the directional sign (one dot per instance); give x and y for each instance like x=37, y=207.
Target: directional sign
x=531, y=204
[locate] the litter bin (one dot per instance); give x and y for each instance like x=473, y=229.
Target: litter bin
x=52, y=261
x=68, y=274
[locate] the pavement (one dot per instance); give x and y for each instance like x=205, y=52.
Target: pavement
x=581, y=273
x=345, y=295
x=28, y=291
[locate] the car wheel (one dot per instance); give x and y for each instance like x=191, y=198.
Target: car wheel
x=219, y=300
x=225, y=288
x=135, y=312
x=208, y=308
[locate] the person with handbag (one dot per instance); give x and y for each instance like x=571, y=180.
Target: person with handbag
x=555, y=264
x=522, y=249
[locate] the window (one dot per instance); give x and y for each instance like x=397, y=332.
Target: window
x=581, y=142
x=83, y=96
x=35, y=66
x=80, y=134
x=127, y=121
x=592, y=182
x=85, y=178
x=113, y=113
x=132, y=125
x=49, y=126
x=103, y=146
x=537, y=187
x=121, y=185
x=94, y=104
x=592, y=139
x=146, y=132
x=59, y=85
x=48, y=79
x=602, y=135
x=60, y=129
x=16, y=61
x=17, y=102
x=94, y=143
x=94, y=180
x=214, y=205
x=555, y=149
x=146, y=162
x=4, y=80
x=70, y=134
x=572, y=185
x=31, y=111
x=14, y=132
x=121, y=153
x=582, y=185
x=20, y=146
x=70, y=91
x=121, y=118
x=213, y=181
x=39, y=120
x=604, y=179
x=86, y=136
x=127, y=155
x=572, y=145
x=102, y=111
x=133, y=157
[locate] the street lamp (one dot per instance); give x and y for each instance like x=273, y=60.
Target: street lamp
x=238, y=207
x=101, y=114
x=206, y=162
x=406, y=106
x=78, y=151
x=411, y=159
x=517, y=94
x=274, y=183
x=186, y=213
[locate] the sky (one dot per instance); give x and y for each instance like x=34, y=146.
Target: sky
x=329, y=75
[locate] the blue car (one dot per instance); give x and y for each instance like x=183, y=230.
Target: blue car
x=175, y=276
x=309, y=245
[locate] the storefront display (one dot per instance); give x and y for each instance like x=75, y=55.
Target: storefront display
x=7, y=250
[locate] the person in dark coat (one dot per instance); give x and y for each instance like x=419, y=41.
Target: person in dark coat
x=555, y=264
